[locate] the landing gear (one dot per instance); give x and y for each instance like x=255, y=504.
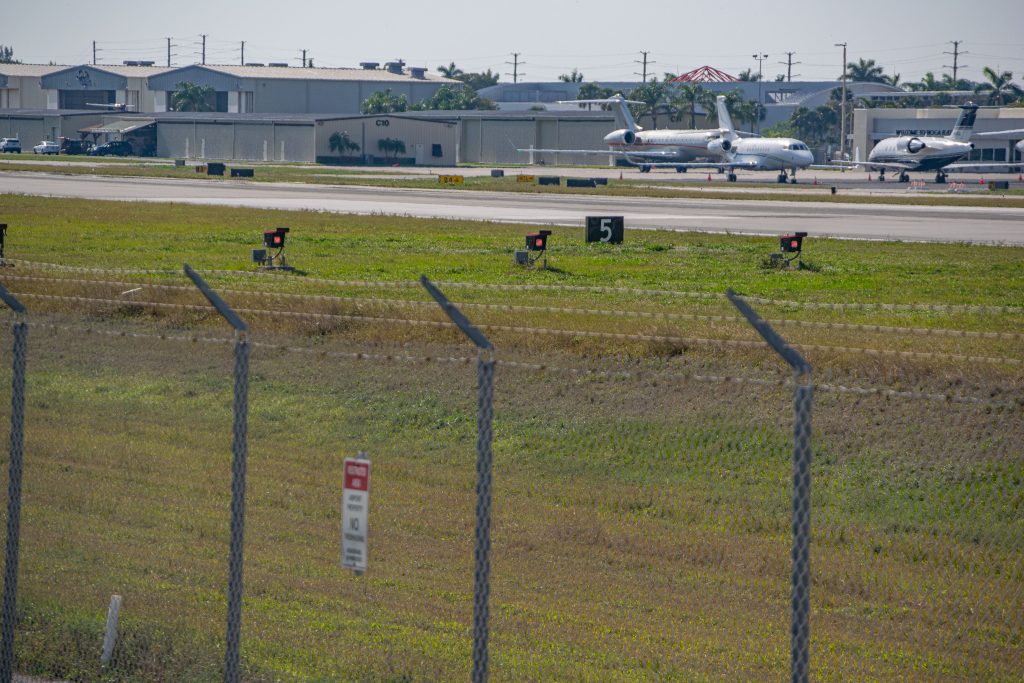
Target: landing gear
x=904, y=178
x=680, y=169
x=881, y=176
x=782, y=177
x=731, y=177
x=645, y=168
x=792, y=180
x=940, y=178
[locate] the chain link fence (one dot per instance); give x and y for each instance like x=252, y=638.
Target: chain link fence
x=638, y=503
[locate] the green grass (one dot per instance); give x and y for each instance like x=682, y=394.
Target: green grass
x=641, y=524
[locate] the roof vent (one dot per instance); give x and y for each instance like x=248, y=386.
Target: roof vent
x=277, y=63
x=417, y=71
x=147, y=63
x=394, y=67
x=255, y=64
x=131, y=62
x=369, y=66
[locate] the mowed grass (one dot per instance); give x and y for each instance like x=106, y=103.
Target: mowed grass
x=641, y=524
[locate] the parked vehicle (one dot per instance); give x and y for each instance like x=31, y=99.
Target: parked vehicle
x=70, y=146
x=46, y=147
x=117, y=148
x=10, y=145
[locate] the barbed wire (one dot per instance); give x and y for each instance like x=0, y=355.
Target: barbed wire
x=623, y=374
x=517, y=308
x=621, y=336
x=945, y=308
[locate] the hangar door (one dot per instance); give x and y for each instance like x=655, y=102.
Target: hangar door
x=78, y=99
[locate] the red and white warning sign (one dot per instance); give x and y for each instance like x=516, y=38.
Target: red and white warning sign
x=355, y=508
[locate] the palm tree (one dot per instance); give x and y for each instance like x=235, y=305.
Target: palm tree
x=384, y=103
x=748, y=75
x=999, y=88
x=865, y=71
x=341, y=143
x=391, y=148
x=593, y=91
x=653, y=95
x=191, y=97
x=450, y=71
x=688, y=96
x=893, y=80
x=575, y=77
x=710, y=101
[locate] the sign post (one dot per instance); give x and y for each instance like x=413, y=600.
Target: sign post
x=355, y=508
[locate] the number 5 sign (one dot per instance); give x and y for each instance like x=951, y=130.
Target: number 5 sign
x=605, y=229
x=355, y=513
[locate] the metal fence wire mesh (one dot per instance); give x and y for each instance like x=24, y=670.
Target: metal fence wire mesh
x=641, y=487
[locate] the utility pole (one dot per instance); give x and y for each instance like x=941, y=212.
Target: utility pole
x=789, y=66
x=303, y=59
x=203, y=36
x=956, y=56
x=94, y=52
x=842, y=108
x=643, y=76
x=168, y=52
x=515, y=66
x=243, y=53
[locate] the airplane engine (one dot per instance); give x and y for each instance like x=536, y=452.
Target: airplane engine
x=719, y=146
x=915, y=145
x=620, y=137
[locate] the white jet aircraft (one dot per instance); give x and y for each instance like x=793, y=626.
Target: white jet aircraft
x=908, y=153
x=666, y=148
x=753, y=154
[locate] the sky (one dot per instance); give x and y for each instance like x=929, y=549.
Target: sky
x=603, y=39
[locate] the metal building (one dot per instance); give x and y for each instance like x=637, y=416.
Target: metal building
x=33, y=125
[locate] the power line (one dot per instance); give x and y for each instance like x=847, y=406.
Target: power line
x=956, y=56
x=643, y=76
x=515, y=67
x=789, y=65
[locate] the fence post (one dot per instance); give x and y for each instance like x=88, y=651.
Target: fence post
x=484, y=437
x=20, y=330
x=802, y=399
x=238, y=464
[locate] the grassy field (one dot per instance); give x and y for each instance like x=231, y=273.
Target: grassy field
x=641, y=510
x=648, y=187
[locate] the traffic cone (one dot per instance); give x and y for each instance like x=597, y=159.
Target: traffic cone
x=815, y=180
x=982, y=180
x=709, y=177
x=620, y=175
x=1020, y=177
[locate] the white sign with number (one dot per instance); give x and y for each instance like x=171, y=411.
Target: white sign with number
x=355, y=509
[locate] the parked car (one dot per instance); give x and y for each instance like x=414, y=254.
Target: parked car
x=10, y=145
x=117, y=148
x=69, y=146
x=46, y=147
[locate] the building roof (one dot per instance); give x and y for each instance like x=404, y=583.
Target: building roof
x=313, y=73
x=36, y=70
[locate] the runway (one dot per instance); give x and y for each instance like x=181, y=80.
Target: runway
x=857, y=221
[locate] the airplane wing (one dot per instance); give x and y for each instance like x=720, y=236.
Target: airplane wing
x=704, y=164
x=982, y=165
x=604, y=152
x=1016, y=131
x=875, y=164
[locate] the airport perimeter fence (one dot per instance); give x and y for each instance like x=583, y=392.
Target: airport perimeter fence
x=630, y=512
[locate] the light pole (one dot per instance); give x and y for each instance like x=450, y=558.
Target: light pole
x=760, y=57
x=842, y=108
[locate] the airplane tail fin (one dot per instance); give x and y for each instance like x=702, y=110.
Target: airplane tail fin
x=965, y=123
x=724, y=120
x=620, y=105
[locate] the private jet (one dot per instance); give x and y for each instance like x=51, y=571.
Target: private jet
x=752, y=154
x=647, y=149
x=911, y=153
